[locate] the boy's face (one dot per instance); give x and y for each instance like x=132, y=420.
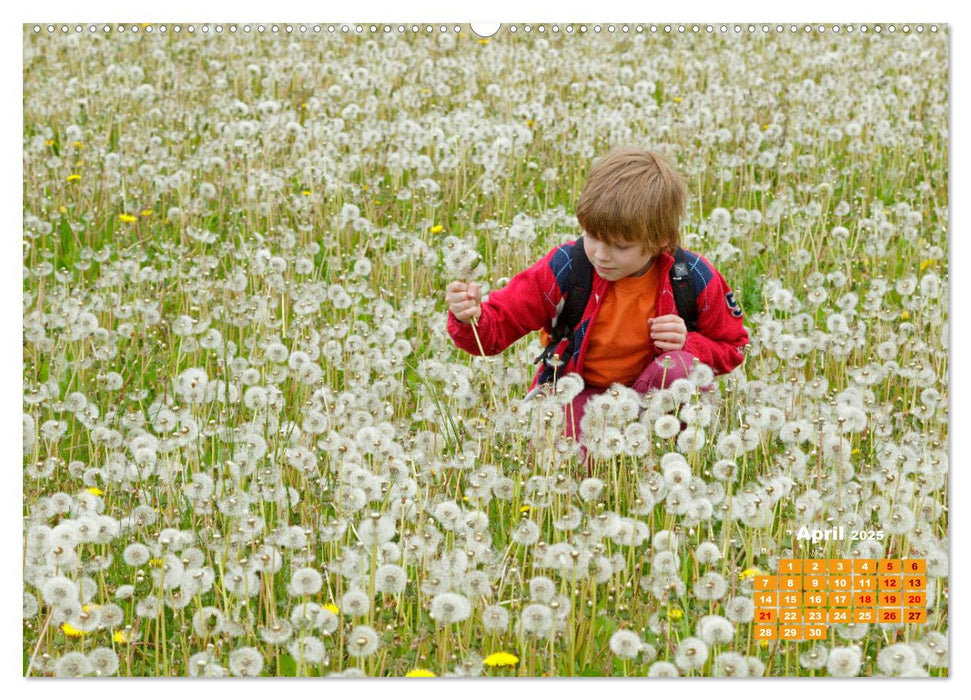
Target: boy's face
x=618, y=260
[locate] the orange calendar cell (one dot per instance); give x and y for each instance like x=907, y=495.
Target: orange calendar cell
x=766, y=583
x=840, y=583
x=788, y=616
x=915, y=615
x=840, y=566
x=891, y=583
x=814, y=600
x=811, y=615
x=864, y=583
x=790, y=599
x=815, y=566
x=890, y=599
x=790, y=583
x=889, y=566
x=815, y=582
x=792, y=633
x=766, y=599
x=766, y=632
x=836, y=615
x=864, y=566
x=815, y=632
x=840, y=599
x=864, y=614
x=915, y=598
x=766, y=615
x=915, y=583
x=915, y=566
x=790, y=566
x=889, y=615
x=864, y=599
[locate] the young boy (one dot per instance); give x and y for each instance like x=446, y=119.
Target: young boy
x=630, y=331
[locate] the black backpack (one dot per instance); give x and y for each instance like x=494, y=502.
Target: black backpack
x=578, y=294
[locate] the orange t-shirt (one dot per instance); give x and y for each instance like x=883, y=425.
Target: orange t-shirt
x=620, y=341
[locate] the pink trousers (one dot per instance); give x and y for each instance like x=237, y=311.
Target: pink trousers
x=658, y=374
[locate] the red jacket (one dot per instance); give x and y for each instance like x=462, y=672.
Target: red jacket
x=533, y=298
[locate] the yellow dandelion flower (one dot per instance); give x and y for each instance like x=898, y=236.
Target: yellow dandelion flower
x=333, y=608
x=155, y=563
x=364, y=188
x=306, y=193
x=855, y=451
x=128, y=218
x=62, y=209
x=925, y=264
x=419, y=673
x=78, y=144
x=483, y=42
x=675, y=614
x=74, y=177
x=525, y=509
x=530, y=123
x=147, y=212
x=501, y=658
x=749, y=573
x=677, y=99
x=121, y=637
x=49, y=142
x=437, y=228
x=765, y=127
x=905, y=315
x=95, y=490
x=70, y=631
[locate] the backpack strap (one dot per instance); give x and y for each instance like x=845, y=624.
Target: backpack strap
x=577, y=296
x=684, y=296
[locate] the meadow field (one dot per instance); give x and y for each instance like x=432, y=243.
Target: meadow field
x=251, y=448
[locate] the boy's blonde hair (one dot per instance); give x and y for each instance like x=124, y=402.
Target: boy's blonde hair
x=634, y=195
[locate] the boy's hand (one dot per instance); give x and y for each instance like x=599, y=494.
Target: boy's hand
x=668, y=332
x=464, y=300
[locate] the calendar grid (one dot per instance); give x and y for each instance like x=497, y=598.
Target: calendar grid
x=806, y=596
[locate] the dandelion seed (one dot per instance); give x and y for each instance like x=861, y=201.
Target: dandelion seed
x=449, y=608
x=691, y=654
x=362, y=642
x=625, y=644
x=60, y=591
x=537, y=619
x=740, y=609
x=663, y=669
x=309, y=650
x=73, y=664
x=495, y=619
x=355, y=603
x=714, y=629
x=666, y=427
x=390, y=578
x=305, y=581
x=103, y=661
x=276, y=632
x=707, y=553
x=245, y=662
x=541, y=589
x=844, y=662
